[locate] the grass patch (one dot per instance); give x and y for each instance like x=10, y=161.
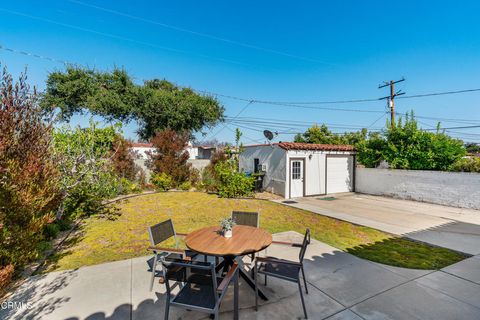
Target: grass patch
x=101, y=240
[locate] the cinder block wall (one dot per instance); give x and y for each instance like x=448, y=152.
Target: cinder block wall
x=457, y=189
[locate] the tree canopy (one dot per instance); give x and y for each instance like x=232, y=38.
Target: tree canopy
x=321, y=134
x=403, y=146
x=155, y=105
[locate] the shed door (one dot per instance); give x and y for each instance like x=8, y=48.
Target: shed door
x=296, y=178
x=339, y=174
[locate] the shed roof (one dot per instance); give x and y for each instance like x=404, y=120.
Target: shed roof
x=315, y=146
x=309, y=146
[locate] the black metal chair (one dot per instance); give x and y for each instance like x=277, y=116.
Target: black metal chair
x=283, y=269
x=200, y=287
x=246, y=218
x=159, y=233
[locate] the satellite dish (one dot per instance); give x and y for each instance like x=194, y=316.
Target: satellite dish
x=268, y=134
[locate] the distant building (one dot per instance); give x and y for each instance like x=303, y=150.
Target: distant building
x=195, y=152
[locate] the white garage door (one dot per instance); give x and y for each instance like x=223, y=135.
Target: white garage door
x=339, y=174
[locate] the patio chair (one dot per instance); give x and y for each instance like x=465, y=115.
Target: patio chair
x=200, y=287
x=246, y=218
x=283, y=269
x=159, y=233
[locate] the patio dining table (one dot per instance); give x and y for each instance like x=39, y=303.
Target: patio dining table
x=245, y=240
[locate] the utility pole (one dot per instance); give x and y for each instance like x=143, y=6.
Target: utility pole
x=391, y=97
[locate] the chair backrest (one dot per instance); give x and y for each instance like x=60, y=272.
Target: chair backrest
x=246, y=218
x=161, y=232
x=191, y=272
x=305, y=243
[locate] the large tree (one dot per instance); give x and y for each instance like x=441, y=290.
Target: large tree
x=156, y=105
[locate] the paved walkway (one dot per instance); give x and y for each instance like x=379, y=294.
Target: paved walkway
x=454, y=228
x=341, y=286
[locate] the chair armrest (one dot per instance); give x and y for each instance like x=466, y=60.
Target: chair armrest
x=279, y=261
x=181, y=234
x=290, y=244
x=169, y=250
x=226, y=281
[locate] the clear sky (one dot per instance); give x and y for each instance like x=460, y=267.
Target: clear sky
x=296, y=51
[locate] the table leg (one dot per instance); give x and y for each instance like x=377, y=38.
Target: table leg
x=244, y=274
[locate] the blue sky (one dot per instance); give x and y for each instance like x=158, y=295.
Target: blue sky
x=268, y=50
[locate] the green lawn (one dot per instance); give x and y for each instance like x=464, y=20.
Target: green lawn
x=103, y=240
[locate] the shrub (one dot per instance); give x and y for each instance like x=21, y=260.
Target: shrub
x=162, y=181
x=6, y=274
x=467, y=165
x=186, y=186
x=170, y=156
x=233, y=184
x=123, y=158
x=128, y=187
x=51, y=231
x=209, y=182
x=88, y=178
x=29, y=189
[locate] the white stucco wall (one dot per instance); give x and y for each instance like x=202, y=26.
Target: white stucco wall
x=275, y=159
x=314, y=170
x=458, y=189
x=142, y=151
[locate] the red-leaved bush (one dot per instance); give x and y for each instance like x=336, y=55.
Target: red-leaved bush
x=123, y=159
x=170, y=156
x=29, y=192
x=6, y=274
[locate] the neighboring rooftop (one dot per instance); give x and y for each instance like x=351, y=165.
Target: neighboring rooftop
x=142, y=145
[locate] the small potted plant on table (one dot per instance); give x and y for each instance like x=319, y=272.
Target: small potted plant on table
x=227, y=225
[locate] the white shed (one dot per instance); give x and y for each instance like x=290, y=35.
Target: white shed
x=302, y=169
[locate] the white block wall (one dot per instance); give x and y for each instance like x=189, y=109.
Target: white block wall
x=457, y=189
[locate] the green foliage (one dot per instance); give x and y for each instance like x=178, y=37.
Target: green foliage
x=209, y=182
x=231, y=182
x=156, y=105
x=88, y=176
x=227, y=223
x=370, y=150
x=127, y=186
x=322, y=135
x=467, y=165
x=403, y=146
x=162, y=181
x=29, y=190
x=51, y=231
x=186, y=186
x=408, y=147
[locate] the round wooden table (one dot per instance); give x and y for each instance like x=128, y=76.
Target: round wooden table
x=245, y=240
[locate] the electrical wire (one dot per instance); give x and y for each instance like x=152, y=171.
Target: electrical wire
x=117, y=37
x=196, y=33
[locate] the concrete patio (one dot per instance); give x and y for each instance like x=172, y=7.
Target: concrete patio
x=341, y=286
x=454, y=228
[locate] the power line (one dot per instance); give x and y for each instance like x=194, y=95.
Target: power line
x=117, y=37
x=439, y=93
x=196, y=33
x=243, y=109
x=464, y=127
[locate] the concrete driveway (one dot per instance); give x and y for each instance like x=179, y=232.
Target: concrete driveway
x=341, y=286
x=454, y=228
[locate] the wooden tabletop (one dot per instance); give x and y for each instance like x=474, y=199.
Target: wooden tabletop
x=245, y=240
